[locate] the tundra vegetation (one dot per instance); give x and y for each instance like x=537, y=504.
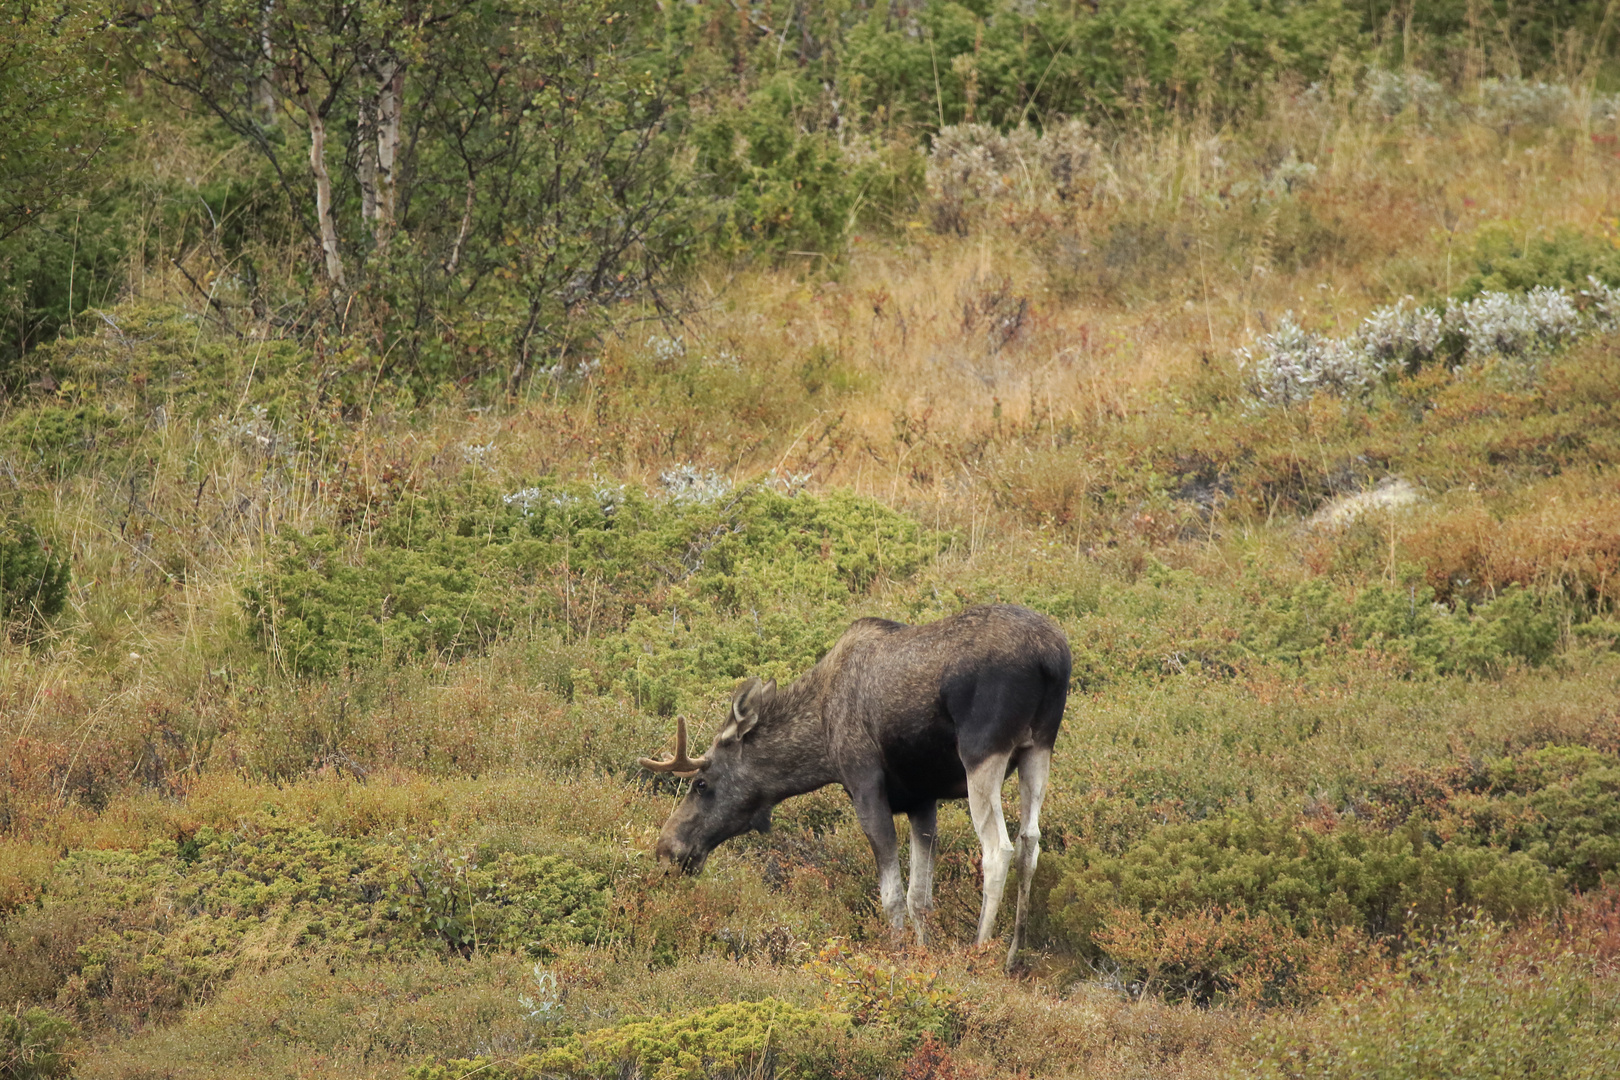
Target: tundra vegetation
x=409, y=409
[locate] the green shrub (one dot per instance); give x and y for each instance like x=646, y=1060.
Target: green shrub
x=1507, y=260
x=1304, y=626
x=33, y=1045
x=739, y=1038
x=730, y=1037
x=450, y=570
x=170, y=923
x=1477, y=1004
x=322, y=614
x=216, y=896
x=33, y=581
x=527, y=903
x=58, y=438
x=782, y=185
x=1307, y=879
x=1000, y=62
x=59, y=89
x=1559, y=805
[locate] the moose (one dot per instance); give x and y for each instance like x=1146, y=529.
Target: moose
x=902, y=716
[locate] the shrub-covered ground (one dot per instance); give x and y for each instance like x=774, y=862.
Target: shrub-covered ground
x=1293, y=394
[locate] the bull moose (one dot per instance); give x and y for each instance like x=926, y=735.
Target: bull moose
x=902, y=716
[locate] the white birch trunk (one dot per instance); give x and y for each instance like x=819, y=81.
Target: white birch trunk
x=323, y=194
x=388, y=110
x=366, y=170
x=466, y=227
x=264, y=88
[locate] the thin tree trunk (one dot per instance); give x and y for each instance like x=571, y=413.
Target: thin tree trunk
x=466, y=227
x=388, y=110
x=263, y=87
x=366, y=169
x=323, y=193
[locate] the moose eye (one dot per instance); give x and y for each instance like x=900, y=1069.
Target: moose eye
x=700, y=784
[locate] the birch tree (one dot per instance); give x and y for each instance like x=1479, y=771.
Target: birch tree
x=53, y=80
x=59, y=88
x=508, y=158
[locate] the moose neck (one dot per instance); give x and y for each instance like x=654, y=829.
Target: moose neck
x=793, y=755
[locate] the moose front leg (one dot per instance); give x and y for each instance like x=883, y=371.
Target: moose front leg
x=877, y=822
x=920, y=895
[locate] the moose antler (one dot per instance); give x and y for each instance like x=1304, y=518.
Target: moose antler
x=680, y=764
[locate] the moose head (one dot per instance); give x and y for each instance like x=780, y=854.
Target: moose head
x=734, y=786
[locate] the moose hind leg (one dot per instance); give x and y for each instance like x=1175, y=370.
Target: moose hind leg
x=920, y=894
x=984, y=803
x=1033, y=768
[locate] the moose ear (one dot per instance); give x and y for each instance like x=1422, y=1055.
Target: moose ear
x=746, y=706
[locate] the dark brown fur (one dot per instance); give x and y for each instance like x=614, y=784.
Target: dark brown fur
x=900, y=715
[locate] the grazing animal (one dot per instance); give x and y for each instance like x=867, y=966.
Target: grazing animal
x=902, y=716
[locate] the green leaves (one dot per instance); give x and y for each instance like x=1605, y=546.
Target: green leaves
x=528, y=903
x=33, y=581
x=737, y=1038
x=56, y=78
x=33, y=1045
x=483, y=179
x=681, y=597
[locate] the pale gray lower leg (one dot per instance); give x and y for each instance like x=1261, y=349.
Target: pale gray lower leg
x=1033, y=769
x=877, y=822
x=920, y=896
x=984, y=803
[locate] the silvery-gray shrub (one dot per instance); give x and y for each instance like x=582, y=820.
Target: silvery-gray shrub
x=1605, y=306
x=1390, y=93
x=976, y=163
x=1513, y=102
x=1512, y=326
x=1400, y=335
x=1292, y=363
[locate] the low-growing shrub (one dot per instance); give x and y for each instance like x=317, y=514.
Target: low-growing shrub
x=1482, y=1002
x=57, y=438
x=1505, y=260
x=1290, y=364
x=528, y=903
x=1518, y=327
x=1258, y=882
x=1560, y=805
x=33, y=581
x=647, y=578
x=1217, y=954
x=163, y=927
x=1564, y=542
x=783, y=178
x=872, y=991
x=213, y=898
x=740, y=1038
x=321, y=613
x=1513, y=326
x=973, y=167
x=33, y=1045
x=1515, y=627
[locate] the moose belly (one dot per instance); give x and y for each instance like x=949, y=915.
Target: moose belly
x=916, y=778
